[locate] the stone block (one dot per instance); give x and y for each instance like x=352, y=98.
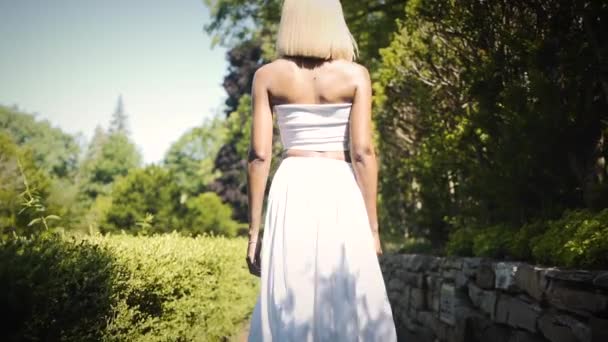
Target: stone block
x=554, y=331
x=460, y=280
x=599, y=329
x=517, y=313
x=452, y=263
x=395, y=285
x=449, y=274
x=399, y=273
x=418, y=299
x=404, y=300
x=428, y=319
x=505, y=276
x=470, y=265
x=432, y=299
x=447, y=303
x=443, y=331
x=560, y=295
x=407, y=321
x=601, y=280
x=483, y=330
x=531, y=280
x=394, y=297
x=484, y=276
x=485, y=300
x=575, y=276
x=524, y=336
x=432, y=281
x=581, y=330
x=488, y=303
x=414, y=279
x=420, y=262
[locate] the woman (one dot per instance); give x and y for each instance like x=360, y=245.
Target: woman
x=320, y=277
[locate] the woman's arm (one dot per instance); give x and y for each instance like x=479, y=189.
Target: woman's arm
x=362, y=149
x=260, y=150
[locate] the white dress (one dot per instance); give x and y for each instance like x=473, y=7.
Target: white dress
x=320, y=279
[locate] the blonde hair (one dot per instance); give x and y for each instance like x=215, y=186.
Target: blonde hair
x=315, y=28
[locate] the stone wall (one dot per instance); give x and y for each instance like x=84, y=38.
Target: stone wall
x=478, y=300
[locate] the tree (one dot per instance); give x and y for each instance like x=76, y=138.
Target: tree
x=109, y=155
x=207, y=213
x=191, y=158
x=118, y=123
x=52, y=149
x=150, y=190
x=485, y=119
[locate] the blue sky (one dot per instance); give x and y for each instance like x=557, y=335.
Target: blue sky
x=69, y=60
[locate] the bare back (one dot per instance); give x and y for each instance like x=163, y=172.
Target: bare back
x=312, y=81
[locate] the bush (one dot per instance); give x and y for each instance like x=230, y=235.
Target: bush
x=460, y=242
x=578, y=239
x=493, y=242
x=124, y=288
x=207, y=213
x=520, y=246
x=148, y=190
x=55, y=290
x=416, y=246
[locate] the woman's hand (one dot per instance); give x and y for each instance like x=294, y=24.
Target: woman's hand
x=253, y=259
x=376, y=236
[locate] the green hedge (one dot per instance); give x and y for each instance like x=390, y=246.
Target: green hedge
x=124, y=288
x=577, y=239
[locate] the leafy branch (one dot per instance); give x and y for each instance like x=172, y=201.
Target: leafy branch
x=31, y=201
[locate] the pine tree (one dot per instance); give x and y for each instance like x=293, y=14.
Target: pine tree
x=118, y=123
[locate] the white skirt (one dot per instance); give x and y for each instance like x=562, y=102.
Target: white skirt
x=320, y=278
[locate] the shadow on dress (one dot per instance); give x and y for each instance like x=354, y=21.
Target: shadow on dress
x=340, y=313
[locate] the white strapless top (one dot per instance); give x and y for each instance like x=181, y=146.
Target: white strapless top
x=316, y=127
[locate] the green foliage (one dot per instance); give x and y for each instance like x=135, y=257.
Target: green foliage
x=460, y=242
x=493, y=242
x=53, y=150
x=207, y=213
x=416, y=246
x=239, y=125
x=32, y=203
x=180, y=289
x=191, y=158
x=110, y=156
x=124, y=288
x=13, y=189
x=147, y=190
x=235, y=21
x=577, y=239
x=55, y=290
x=149, y=198
x=469, y=125
x=521, y=244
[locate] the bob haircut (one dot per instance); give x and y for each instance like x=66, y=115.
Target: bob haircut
x=315, y=28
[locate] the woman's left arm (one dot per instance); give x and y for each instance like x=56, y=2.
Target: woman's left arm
x=259, y=156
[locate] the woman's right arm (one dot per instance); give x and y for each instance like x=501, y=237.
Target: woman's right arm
x=258, y=161
x=362, y=149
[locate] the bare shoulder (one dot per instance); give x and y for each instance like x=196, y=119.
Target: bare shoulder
x=355, y=71
x=262, y=74
x=272, y=67
x=360, y=72
x=265, y=73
